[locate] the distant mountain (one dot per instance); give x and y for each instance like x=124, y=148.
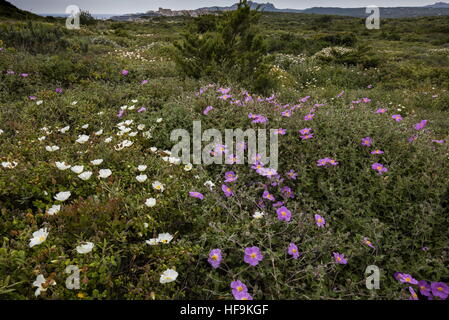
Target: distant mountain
x=385, y=12
x=438, y=5
x=8, y=10
x=437, y=9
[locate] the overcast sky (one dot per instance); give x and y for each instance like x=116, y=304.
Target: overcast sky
x=133, y=6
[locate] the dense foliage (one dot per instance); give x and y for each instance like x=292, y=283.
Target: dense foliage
x=229, y=48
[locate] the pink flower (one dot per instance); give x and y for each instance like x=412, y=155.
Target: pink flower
x=215, y=258
x=207, y=110
x=124, y=72
x=413, y=295
x=197, y=195
x=280, y=131
x=368, y=242
x=284, y=214
x=227, y=191
x=406, y=278
x=339, y=258
x=253, y=256
x=367, y=142
x=268, y=196
x=309, y=116
x=293, y=250
x=379, y=168
x=421, y=125
x=320, y=221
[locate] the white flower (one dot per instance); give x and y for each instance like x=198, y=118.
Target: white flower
x=51, y=148
x=77, y=169
x=74, y=103
x=159, y=120
x=153, y=149
x=142, y=178
x=85, y=126
x=40, y=280
x=99, y=132
x=108, y=140
x=1, y=131
x=104, y=173
x=85, y=175
x=62, y=196
x=258, y=215
x=100, y=113
x=174, y=160
x=97, y=162
x=9, y=165
x=62, y=165
x=133, y=134
x=164, y=238
x=39, y=102
x=169, y=275
x=147, y=134
x=134, y=101
x=145, y=225
x=64, y=130
x=188, y=167
x=54, y=209
x=132, y=107
x=82, y=138
x=85, y=247
x=42, y=138
x=140, y=127
x=123, y=130
x=129, y=122
x=158, y=186
x=209, y=184
x=124, y=107
x=123, y=144
x=150, y=202
x=142, y=168
x=39, y=237
x=152, y=242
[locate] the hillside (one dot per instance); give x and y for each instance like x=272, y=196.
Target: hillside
x=8, y=10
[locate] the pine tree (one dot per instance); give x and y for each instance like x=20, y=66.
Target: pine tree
x=229, y=47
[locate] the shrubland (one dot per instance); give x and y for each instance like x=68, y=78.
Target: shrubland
x=117, y=82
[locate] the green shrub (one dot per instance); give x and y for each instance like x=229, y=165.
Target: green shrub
x=35, y=37
x=232, y=48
